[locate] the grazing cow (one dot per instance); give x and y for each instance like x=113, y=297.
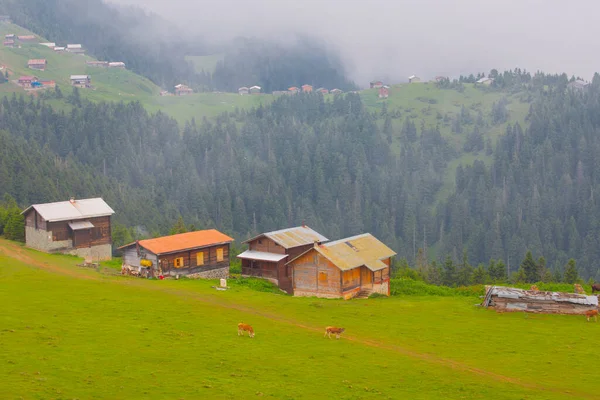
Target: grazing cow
x=579, y=289
x=245, y=327
x=332, y=329
x=534, y=288
x=595, y=287
x=592, y=313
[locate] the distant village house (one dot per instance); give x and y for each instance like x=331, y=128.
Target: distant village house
x=307, y=88
x=49, y=45
x=183, y=90
x=384, y=92
x=279, y=92
x=375, y=84
x=200, y=254
x=26, y=38
x=322, y=90
x=293, y=90
x=10, y=36
x=336, y=91
x=243, y=90
x=255, y=90
x=81, y=81
x=78, y=227
x=48, y=84
x=27, y=81
x=578, y=85
x=39, y=64
x=414, y=79
x=75, y=48
x=116, y=64
x=485, y=81
x=101, y=64
x=9, y=43
x=59, y=49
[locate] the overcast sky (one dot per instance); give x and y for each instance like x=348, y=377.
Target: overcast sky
x=392, y=39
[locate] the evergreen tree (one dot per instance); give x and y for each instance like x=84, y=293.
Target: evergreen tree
x=571, y=275
x=529, y=269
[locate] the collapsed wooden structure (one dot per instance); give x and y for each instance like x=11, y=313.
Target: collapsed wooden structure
x=507, y=299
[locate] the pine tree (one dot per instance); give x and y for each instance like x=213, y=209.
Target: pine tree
x=529, y=269
x=571, y=275
x=179, y=227
x=15, y=226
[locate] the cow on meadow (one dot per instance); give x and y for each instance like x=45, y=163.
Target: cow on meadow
x=243, y=328
x=592, y=314
x=595, y=287
x=534, y=288
x=332, y=329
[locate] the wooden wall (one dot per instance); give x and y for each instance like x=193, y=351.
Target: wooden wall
x=35, y=220
x=99, y=235
x=314, y=273
x=191, y=258
x=351, y=279
x=266, y=245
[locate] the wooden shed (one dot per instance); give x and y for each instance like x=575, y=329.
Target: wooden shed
x=79, y=227
x=269, y=252
x=346, y=268
x=506, y=299
x=199, y=254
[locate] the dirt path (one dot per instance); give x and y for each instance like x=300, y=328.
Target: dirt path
x=14, y=251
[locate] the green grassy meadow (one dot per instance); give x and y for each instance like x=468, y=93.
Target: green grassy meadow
x=68, y=332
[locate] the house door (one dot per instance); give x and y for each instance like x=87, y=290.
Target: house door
x=366, y=278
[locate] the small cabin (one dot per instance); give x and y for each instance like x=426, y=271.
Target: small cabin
x=75, y=48
x=375, y=84
x=199, y=254
x=414, y=79
x=78, y=227
x=255, y=89
x=322, y=90
x=183, y=90
x=336, y=91
x=9, y=43
x=293, y=90
x=101, y=64
x=269, y=252
x=346, y=268
x=27, y=81
x=81, y=81
x=26, y=38
x=485, y=81
x=37, y=64
x=307, y=88
x=243, y=91
x=384, y=92
x=49, y=45
x=116, y=64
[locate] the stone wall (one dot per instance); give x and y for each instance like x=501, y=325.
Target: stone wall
x=42, y=240
x=381, y=288
x=305, y=293
x=217, y=273
x=95, y=253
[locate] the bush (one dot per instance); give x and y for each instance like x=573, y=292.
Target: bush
x=260, y=285
x=409, y=287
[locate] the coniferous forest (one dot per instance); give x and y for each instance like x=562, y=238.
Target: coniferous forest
x=330, y=164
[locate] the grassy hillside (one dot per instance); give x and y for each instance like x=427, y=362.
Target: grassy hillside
x=69, y=332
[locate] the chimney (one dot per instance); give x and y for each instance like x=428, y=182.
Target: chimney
x=303, y=224
x=72, y=200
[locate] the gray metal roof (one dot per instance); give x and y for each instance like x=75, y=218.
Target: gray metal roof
x=79, y=77
x=262, y=256
x=293, y=237
x=79, y=225
x=535, y=295
x=72, y=210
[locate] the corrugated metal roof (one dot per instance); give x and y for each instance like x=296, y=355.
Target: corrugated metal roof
x=79, y=77
x=80, y=225
x=73, y=46
x=184, y=241
x=293, y=237
x=262, y=256
x=36, y=61
x=535, y=295
x=67, y=210
x=356, y=251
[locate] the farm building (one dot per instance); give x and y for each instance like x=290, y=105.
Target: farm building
x=183, y=90
x=268, y=253
x=293, y=90
x=307, y=88
x=59, y=49
x=79, y=227
x=322, y=90
x=26, y=38
x=49, y=45
x=255, y=90
x=504, y=299
x=346, y=268
x=38, y=64
x=102, y=64
x=75, y=48
x=9, y=43
x=414, y=79
x=200, y=254
x=27, y=81
x=485, y=81
x=375, y=84
x=48, y=84
x=336, y=91
x=243, y=90
x=81, y=81
x=384, y=92
x=116, y=64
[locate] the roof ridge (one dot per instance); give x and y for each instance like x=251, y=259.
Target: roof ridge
x=347, y=239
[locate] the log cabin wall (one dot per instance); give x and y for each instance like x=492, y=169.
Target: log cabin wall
x=266, y=245
x=314, y=275
x=195, y=260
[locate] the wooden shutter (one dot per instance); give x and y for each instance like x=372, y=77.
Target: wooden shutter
x=200, y=258
x=220, y=254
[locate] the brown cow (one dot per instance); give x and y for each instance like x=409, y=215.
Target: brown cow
x=534, y=288
x=592, y=313
x=245, y=327
x=332, y=329
x=579, y=289
x=595, y=287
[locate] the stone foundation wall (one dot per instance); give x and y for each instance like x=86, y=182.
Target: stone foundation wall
x=351, y=293
x=212, y=274
x=381, y=288
x=305, y=293
x=95, y=253
x=42, y=240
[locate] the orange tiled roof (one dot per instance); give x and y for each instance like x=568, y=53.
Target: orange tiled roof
x=185, y=241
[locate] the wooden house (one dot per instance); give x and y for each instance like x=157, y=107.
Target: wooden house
x=243, y=91
x=117, y=64
x=10, y=36
x=38, y=64
x=375, y=84
x=269, y=252
x=81, y=81
x=26, y=38
x=48, y=84
x=322, y=90
x=59, y=49
x=293, y=90
x=255, y=90
x=505, y=299
x=414, y=79
x=384, y=92
x=485, y=81
x=183, y=90
x=336, y=91
x=75, y=48
x=101, y=64
x=346, y=268
x=199, y=254
x=307, y=88
x=9, y=43
x=78, y=227
x=49, y=45
x=27, y=81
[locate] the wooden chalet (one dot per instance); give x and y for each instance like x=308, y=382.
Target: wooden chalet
x=9, y=43
x=243, y=91
x=183, y=90
x=322, y=90
x=384, y=92
x=293, y=90
x=375, y=84
x=307, y=88
x=346, y=268
x=336, y=91
x=26, y=38
x=27, y=81
x=101, y=64
x=255, y=90
x=414, y=79
x=199, y=254
x=75, y=48
x=81, y=81
x=78, y=227
x=38, y=64
x=117, y=64
x=50, y=45
x=269, y=252
x=485, y=81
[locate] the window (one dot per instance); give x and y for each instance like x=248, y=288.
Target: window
x=200, y=258
x=322, y=276
x=220, y=254
x=259, y=241
x=178, y=262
